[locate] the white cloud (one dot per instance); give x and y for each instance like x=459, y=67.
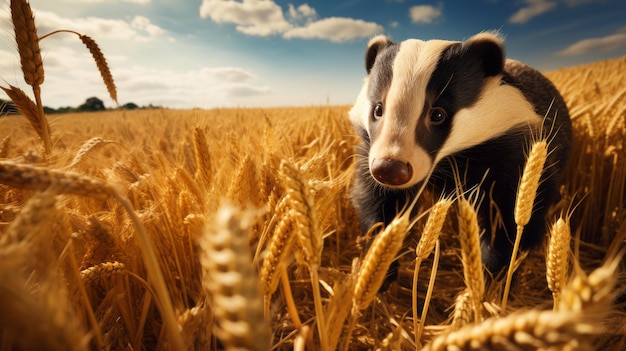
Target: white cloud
x=335, y=29
x=265, y=18
x=607, y=43
x=424, y=13
x=532, y=9
x=140, y=28
x=252, y=17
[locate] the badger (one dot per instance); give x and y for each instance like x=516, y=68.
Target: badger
x=431, y=113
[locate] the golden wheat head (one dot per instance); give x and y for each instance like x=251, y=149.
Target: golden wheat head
x=232, y=284
x=27, y=42
x=377, y=260
x=557, y=263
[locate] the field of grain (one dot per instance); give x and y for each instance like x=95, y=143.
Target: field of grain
x=205, y=230
x=233, y=229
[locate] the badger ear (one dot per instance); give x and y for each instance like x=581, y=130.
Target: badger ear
x=489, y=49
x=373, y=48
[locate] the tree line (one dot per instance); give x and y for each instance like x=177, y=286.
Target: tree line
x=92, y=104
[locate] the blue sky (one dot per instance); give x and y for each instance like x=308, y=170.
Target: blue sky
x=264, y=53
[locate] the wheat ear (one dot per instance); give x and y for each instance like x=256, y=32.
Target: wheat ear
x=31, y=61
x=469, y=235
x=309, y=234
x=529, y=330
x=463, y=312
x=102, y=64
x=557, y=258
x=378, y=258
x=27, y=42
x=232, y=284
x=585, y=303
x=203, y=156
x=28, y=108
x=86, y=148
x=529, y=183
x=425, y=246
x=98, y=57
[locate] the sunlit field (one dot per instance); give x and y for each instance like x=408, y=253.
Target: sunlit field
x=165, y=229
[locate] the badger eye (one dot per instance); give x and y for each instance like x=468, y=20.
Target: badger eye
x=378, y=110
x=438, y=115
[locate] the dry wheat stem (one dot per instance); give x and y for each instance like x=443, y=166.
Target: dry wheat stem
x=557, y=258
x=429, y=293
x=289, y=300
x=524, y=202
x=469, y=235
x=89, y=311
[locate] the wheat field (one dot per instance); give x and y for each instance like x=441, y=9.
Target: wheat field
x=248, y=215
x=233, y=229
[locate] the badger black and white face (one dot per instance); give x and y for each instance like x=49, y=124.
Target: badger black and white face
x=425, y=100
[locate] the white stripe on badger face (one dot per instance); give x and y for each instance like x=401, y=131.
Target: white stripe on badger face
x=499, y=109
x=413, y=66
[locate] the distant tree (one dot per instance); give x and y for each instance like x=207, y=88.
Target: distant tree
x=92, y=104
x=49, y=110
x=130, y=106
x=7, y=108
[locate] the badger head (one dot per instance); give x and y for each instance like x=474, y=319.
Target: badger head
x=425, y=100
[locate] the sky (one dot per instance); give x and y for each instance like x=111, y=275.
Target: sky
x=267, y=53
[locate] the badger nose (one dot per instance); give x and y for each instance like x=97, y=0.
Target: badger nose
x=391, y=172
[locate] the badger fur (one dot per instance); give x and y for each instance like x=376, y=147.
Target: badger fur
x=431, y=109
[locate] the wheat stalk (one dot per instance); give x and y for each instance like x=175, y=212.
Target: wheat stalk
x=557, y=258
x=232, y=284
x=469, y=235
x=524, y=202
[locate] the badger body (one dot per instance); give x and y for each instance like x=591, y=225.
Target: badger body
x=434, y=112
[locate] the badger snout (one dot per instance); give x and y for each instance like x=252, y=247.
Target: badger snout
x=391, y=172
